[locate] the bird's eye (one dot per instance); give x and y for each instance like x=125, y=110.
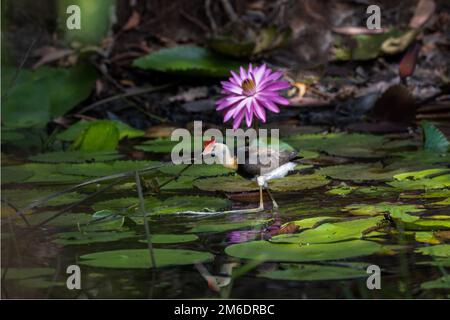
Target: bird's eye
x=213, y=154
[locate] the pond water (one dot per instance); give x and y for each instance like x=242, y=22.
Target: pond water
x=337, y=215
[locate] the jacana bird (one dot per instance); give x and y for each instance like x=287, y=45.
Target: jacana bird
x=261, y=170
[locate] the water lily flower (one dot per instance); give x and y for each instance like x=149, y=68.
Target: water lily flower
x=250, y=93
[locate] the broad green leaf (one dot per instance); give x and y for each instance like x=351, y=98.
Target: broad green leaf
x=306, y=272
x=75, y=156
x=98, y=136
x=227, y=226
x=82, y=237
x=397, y=211
x=189, y=60
x=312, y=222
x=268, y=251
x=365, y=172
x=171, y=238
x=140, y=259
x=125, y=131
x=331, y=232
x=440, y=283
x=106, y=168
x=426, y=237
x=440, y=250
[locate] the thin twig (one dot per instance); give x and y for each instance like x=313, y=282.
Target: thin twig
x=176, y=176
x=229, y=10
x=210, y=17
x=22, y=63
x=125, y=95
x=144, y=214
x=16, y=211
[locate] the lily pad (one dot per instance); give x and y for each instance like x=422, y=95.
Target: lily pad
x=227, y=226
x=269, y=251
x=365, y=172
x=105, y=168
x=312, y=222
x=140, y=259
x=297, y=182
x=397, y=211
x=428, y=224
x=197, y=170
x=331, y=232
x=80, y=238
x=75, y=156
x=440, y=250
x=227, y=184
x=305, y=272
x=426, y=179
x=191, y=203
x=426, y=237
x=440, y=283
x=171, y=238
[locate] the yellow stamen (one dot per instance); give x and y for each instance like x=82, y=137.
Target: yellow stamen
x=248, y=86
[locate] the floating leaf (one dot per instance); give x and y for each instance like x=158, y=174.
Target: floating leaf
x=171, y=238
x=268, y=251
x=106, y=169
x=366, y=172
x=305, y=272
x=197, y=170
x=331, y=232
x=64, y=220
x=341, y=190
x=440, y=283
x=298, y=182
x=227, y=226
x=191, y=203
x=80, y=238
x=23, y=197
x=428, y=224
x=440, y=250
x=426, y=237
x=139, y=258
x=15, y=174
x=75, y=156
x=312, y=222
x=397, y=211
x=187, y=59
x=426, y=179
x=226, y=184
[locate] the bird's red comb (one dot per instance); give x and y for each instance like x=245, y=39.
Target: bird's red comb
x=208, y=142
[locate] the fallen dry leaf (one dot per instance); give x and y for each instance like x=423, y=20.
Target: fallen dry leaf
x=133, y=22
x=424, y=10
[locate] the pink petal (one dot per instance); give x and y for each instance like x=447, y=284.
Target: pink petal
x=232, y=88
x=236, y=78
x=237, y=121
x=228, y=114
x=275, y=86
x=249, y=117
x=243, y=74
x=259, y=111
x=259, y=73
x=239, y=107
x=269, y=105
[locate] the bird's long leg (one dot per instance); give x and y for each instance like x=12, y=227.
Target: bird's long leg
x=259, y=209
x=274, y=203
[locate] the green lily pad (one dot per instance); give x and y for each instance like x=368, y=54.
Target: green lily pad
x=340, y=144
x=80, y=238
x=191, y=203
x=311, y=222
x=426, y=237
x=397, y=211
x=440, y=250
x=140, y=259
x=227, y=226
x=170, y=205
x=426, y=179
x=171, y=238
x=15, y=174
x=75, y=156
x=330, y=232
x=436, y=262
x=64, y=220
x=297, y=182
x=341, y=190
x=305, y=272
x=23, y=197
x=227, y=184
x=37, y=278
x=105, y=169
x=187, y=59
x=197, y=170
x=269, y=251
x=428, y=224
x=440, y=283
x=365, y=172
